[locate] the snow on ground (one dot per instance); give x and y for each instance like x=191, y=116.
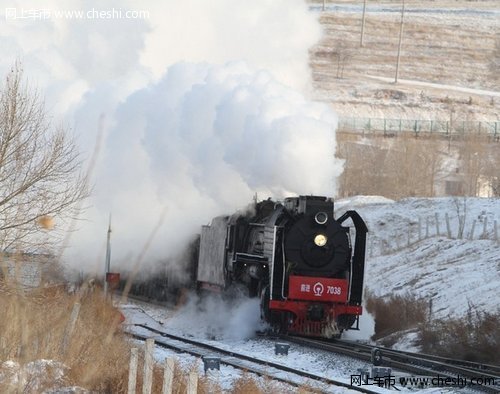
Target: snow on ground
x=47, y=376
x=447, y=48
x=227, y=375
x=412, y=9
x=438, y=86
x=322, y=363
x=453, y=273
x=408, y=251
x=327, y=364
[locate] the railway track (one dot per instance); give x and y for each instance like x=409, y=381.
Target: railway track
x=480, y=368
x=415, y=363
x=272, y=370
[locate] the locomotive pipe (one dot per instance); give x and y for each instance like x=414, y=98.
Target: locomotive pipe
x=358, y=260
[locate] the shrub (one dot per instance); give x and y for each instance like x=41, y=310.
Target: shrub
x=475, y=337
x=395, y=313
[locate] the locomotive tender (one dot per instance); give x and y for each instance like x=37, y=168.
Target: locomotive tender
x=296, y=257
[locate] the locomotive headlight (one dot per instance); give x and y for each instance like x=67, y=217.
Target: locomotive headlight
x=320, y=240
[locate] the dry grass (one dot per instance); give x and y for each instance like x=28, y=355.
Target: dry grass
x=450, y=49
x=428, y=43
x=33, y=326
x=475, y=337
x=246, y=384
x=418, y=167
x=97, y=356
x=396, y=313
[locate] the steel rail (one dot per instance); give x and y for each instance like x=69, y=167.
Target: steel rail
x=231, y=358
x=404, y=361
x=491, y=370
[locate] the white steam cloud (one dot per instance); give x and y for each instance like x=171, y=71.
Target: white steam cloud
x=201, y=142
x=205, y=103
x=366, y=328
x=215, y=318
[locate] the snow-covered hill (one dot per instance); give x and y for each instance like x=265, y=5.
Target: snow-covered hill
x=405, y=253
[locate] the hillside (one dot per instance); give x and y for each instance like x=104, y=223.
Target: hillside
x=451, y=276
x=448, y=67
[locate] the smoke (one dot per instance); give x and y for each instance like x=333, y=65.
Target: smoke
x=70, y=49
x=213, y=317
x=272, y=35
x=366, y=328
x=200, y=142
x=205, y=104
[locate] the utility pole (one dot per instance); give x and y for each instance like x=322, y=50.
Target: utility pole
x=401, y=26
x=324, y=4
x=363, y=23
x=108, y=259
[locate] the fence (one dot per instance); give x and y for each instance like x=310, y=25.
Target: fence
x=435, y=226
x=390, y=127
x=147, y=377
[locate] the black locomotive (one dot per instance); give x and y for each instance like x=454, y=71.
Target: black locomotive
x=296, y=257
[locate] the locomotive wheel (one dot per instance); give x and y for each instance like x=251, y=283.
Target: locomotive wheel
x=278, y=323
x=276, y=320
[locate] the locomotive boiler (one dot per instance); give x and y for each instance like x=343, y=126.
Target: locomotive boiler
x=296, y=256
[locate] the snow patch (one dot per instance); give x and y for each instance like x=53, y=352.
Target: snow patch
x=34, y=377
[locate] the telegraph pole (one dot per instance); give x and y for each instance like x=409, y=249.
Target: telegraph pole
x=401, y=26
x=108, y=259
x=363, y=23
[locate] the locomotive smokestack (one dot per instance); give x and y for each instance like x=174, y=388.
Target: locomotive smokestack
x=321, y=217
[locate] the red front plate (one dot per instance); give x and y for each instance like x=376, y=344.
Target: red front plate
x=317, y=289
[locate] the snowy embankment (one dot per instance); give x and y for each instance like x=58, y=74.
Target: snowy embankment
x=405, y=253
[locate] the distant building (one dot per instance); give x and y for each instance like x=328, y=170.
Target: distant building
x=28, y=270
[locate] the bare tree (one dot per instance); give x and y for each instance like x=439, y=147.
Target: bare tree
x=495, y=187
x=40, y=176
x=461, y=209
x=343, y=53
x=395, y=168
x=491, y=168
x=475, y=163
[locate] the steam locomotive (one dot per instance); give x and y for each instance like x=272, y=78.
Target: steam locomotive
x=296, y=257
